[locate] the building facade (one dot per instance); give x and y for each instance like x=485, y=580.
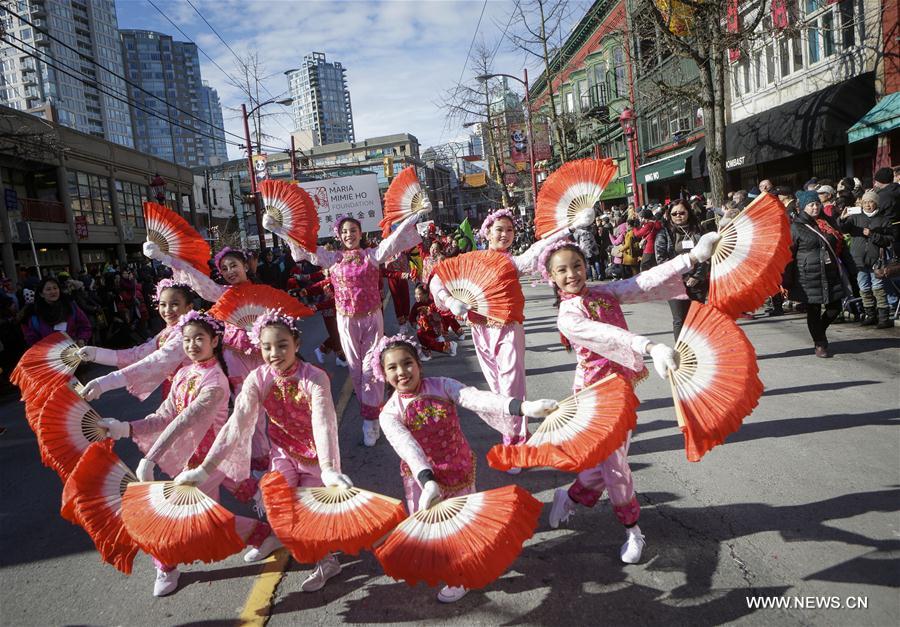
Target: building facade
x=211, y=110
x=321, y=100
x=62, y=61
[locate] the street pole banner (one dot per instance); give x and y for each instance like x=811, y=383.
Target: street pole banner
x=261, y=166
x=355, y=196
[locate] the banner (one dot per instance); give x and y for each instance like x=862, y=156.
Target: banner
x=518, y=142
x=541, y=135
x=355, y=196
x=261, y=166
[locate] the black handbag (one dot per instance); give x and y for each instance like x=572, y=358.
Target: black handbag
x=886, y=268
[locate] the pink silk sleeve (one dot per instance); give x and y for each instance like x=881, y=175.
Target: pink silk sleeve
x=440, y=293
x=322, y=257
x=607, y=340
x=404, y=237
x=142, y=377
x=145, y=432
x=490, y=407
x=526, y=263
x=128, y=356
x=202, y=284
x=662, y=282
x=399, y=437
x=324, y=420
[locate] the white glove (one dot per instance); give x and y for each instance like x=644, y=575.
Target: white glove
x=193, y=476
x=115, y=429
x=431, y=495
x=663, y=359
x=334, y=479
x=458, y=308
x=426, y=204
x=152, y=250
x=540, y=408
x=704, y=248
x=92, y=391
x=270, y=224
x=583, y=219
x=144, y=470
x=87, y=353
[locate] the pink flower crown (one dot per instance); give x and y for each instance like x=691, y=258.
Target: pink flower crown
x=218, y=258
x=373, y=358
x=338, y=221
x=547, y=253
x=217, y=326
x=269, y=317
x=503, y=212
x=166, y=284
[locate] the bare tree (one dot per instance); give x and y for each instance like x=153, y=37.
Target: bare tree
x=29, y=137
x=248, y=77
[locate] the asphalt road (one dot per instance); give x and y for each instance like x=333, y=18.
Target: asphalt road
x=801, y=504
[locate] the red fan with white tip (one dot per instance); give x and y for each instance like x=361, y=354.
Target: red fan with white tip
x=175, y=237
x=575, y=186
x=242, y=304
x=464, y=541
x=584, y=431
x=51, y=361
x=487, y=281
x=294, y=211
x=66, y=427
x=98, y=483
x=313, y=522
x=403, y=198
x=178, y=524
x=37, y=397
x=748, y=261
x=716, y=385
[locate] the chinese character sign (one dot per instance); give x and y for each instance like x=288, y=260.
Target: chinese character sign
x=355, y=196
x=81, y=227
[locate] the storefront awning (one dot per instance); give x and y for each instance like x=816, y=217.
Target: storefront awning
x=668, y=167
x=819, y=120
x=882, y=118
x=479, y=179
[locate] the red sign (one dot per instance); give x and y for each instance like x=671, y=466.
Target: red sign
x=81, y=227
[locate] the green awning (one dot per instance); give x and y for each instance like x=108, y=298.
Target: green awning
x=883, y=117
x=616, y=189
x=666, y=168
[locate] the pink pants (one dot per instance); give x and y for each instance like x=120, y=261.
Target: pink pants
x=501, y=355
x=252, y=531
x=613, y=475
x=413, y=491
x=294, y=471
x=358, y=335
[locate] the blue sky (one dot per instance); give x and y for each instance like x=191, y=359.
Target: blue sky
x=400, y=55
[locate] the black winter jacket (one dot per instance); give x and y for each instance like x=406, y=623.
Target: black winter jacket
x=668, y=245
x=814, y=274
x=866, y=250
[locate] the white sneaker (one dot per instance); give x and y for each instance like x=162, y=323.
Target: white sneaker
x=562, y=507
x=320, y=356
x=166, y=582
x=441, y=338
x=371, y=432
x=514, y=471
x=340, y=362
x=634, y=545
x=326, y=568
x=264, y=550
x=425, y=357
x=453, y=347
x=451, y=594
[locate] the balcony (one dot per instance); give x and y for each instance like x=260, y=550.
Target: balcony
x=593, y=103
x=34, y=210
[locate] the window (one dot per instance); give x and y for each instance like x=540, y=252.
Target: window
x=90, y=197
x=570, y=102
x=848, y=38
x=828, y=33
x=131, y=198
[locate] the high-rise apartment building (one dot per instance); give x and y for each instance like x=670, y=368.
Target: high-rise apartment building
x=321, y=100
x=178, y=127
x=211, y=111
x=66, y=61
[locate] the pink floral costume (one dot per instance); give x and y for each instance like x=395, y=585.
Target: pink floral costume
x=356, y=278
x=301, y=422
x=175, y=435
x=501, y=349
x=594, y=324
x=424, y=430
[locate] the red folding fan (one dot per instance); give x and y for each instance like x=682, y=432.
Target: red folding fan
x=242, y=304
x=95, y=490
x=175, y=237
x=66, y=427
x=463, y=541
x=575, y=186
x=583, y=432
x=37, y=395
x=716, y=384
x=178, y=524
x=313, y=522
x=293, y=209
x=50, y=361
x=749, y=260
x=487, y=281
x=403, y=198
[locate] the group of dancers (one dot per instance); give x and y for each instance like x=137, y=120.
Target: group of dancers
x=238, y=404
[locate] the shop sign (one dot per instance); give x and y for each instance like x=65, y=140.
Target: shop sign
x=81, y=227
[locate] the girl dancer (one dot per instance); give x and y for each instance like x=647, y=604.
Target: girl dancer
x=178, y=434
x=501, y=349
x=296, y=398
x=431, y=325
x=356, y=279
x=591, y=319
x=421, y=423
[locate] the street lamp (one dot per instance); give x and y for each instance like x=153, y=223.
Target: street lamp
x=158, y=188
x=251, y=170
x=627, y=120
x=484, y=78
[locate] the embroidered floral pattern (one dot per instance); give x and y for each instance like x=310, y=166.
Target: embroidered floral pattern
x=290, y=417
x=356, y=280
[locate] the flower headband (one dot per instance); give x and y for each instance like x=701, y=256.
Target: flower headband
x=166, y=284
x=228, y=251
x=547, y=253
x=340, y=219
x=197, y=316
x=373, y=359
x=269, y=317
x=503, y=212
